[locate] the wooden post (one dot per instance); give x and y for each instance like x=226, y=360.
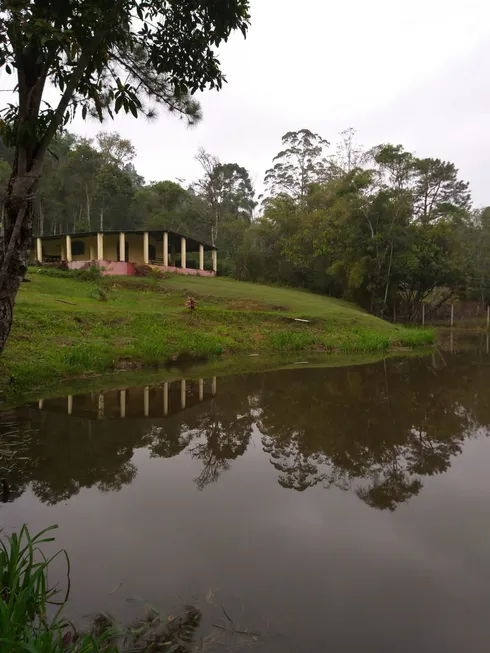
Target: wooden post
x=41, y=401
x=165, y=248
x=146, y=248
x=70, y=404
x=423, y=314
x=213, y=386
x=215, y=260
x=452, y=315
x=201, y=257
x=488, y=316
x=201, y=389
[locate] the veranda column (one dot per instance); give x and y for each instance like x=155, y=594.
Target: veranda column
x=182, y=393
x=183, y=252
x=122, y=403
x=215, y=260
x=146, y=248
x=165, y=248
x=39, y=247
x=69, y=257
x=122, y=246
x=100, y=247
x=201, y=257
x=165, y=399
x=146, y=401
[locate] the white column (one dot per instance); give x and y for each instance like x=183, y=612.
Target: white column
x=100, y=413
x=68, y=249
x=39, y=244
x=122, y=246
x=213, y=386
x=100, y=247
x=165, y=248
x=165, y=399
x=201, y=389
x=146, y=247
x=215, y=260
x=41, y=404
x=70, y=404
x=182, y=394
x=122, y=403
x=201, y=257
x=183, y=252
x=146, y=401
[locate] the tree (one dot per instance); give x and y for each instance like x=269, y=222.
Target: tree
x=103, y=57
x=302, y=163
x=116, y=149
x=437, y=191
x=227, y=191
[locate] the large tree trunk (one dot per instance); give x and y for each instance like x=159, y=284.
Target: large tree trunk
x=15, y=243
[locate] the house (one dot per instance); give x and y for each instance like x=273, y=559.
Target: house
x=120, y=253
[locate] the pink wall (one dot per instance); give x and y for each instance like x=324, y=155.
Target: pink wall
x=118, y=268
x=111, y=268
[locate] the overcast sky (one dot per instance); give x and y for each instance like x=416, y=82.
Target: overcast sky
x=414, y=73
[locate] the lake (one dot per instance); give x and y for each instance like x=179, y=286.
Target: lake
x=319, y=509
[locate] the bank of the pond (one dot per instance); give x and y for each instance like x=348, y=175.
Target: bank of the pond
x=67, y=326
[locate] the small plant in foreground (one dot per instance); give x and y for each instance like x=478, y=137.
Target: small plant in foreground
x=27, y=601
x=191, y=304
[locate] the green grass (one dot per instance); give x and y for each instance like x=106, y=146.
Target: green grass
x=68, y=326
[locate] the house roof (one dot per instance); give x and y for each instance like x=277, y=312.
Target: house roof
x=173, y=237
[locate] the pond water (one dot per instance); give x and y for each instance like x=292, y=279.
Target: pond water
x=342, y=509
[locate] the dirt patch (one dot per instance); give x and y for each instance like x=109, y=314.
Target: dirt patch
x=247, y=305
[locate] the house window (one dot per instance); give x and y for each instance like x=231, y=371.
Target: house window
x=78, y=248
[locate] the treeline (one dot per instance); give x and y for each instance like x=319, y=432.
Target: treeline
x=381, y=226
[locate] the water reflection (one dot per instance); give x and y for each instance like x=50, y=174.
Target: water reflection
x=375, y=430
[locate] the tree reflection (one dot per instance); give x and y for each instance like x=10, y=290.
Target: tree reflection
x=375, y=430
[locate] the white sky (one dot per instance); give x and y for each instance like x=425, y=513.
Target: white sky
x=415, y=73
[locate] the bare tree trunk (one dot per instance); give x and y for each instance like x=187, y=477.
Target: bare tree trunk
x=14, y=247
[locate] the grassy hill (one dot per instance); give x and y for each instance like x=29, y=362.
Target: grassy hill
x=73, y=324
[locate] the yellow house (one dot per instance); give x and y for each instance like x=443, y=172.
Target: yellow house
x=120, y=253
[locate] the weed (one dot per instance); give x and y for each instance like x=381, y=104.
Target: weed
x=26, y=602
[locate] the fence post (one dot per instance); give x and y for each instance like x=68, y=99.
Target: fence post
x=452, y=314
x=423, y=314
